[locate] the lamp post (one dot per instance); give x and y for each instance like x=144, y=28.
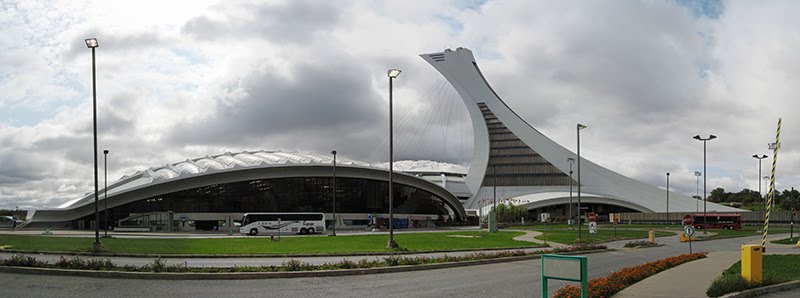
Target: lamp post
x=392, y=73
x=579, y=127
x=667, y=197
x=763, y=156
x=570, y=160
x=697, y=175
x=92, y=44
x=105, y=191
x=705, y=174
x=334, y=192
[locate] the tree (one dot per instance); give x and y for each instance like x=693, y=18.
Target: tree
x=788, y=199
x=510, y=213
x=718, y=195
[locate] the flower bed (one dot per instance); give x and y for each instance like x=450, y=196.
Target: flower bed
x=615, y=282
x=160, y=265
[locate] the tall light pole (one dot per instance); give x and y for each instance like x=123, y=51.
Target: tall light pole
x=667, y=197
x=697, y=175
x=579, y=127
x=92, y=44
x=570, y=160
x=105, y=191
x=334, y=192
x=392, y=73
x=705, y=174
x=763, y=156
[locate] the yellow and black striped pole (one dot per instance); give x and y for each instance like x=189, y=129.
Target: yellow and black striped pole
x=771, y=194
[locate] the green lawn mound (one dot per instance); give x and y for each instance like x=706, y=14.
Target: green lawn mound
x=775, y=269
x=263, y=246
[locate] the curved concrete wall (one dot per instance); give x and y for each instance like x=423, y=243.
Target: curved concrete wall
x=461, y=70
x=246, y=174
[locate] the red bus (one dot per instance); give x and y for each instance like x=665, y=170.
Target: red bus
x=730, y=221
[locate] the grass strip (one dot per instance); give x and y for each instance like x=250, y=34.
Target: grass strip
x=775, y=269
x=602, y=235
x=262, y=245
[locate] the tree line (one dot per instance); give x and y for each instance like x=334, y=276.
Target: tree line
x=785, y=200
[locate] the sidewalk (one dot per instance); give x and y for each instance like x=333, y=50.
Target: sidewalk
x=688, y=280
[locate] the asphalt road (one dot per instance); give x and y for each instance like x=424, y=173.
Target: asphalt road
x=514, y=279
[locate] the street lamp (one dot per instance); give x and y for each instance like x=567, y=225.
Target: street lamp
x=705, y=174
x=392, y=73
x=92, y=44
x=570, y=160
x=334, y=192
x=667, y=197
x=105, y=191
x=763, y=156
x=697, y=175
x=578, y=130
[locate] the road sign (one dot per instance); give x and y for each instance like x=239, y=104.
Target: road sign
x=688, y=230
x=794, y=211
x=592, y=227
x=688, y=220
x=592, y=217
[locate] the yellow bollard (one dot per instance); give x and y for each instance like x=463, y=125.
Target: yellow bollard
x=751, y=262
x=651, y=237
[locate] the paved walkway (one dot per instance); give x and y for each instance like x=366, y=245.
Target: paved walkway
x=693, y=279
x=688, y=280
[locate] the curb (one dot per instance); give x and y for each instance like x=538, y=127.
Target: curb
x=765, y=290
x=268, y=275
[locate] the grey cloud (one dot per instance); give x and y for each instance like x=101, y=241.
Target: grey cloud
x=21, y=166
x=328, y=98
x=293, y=21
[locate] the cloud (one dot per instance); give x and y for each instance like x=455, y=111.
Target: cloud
x=190, y=79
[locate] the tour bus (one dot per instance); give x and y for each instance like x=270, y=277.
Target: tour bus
x=718, y=221
x=274, y=223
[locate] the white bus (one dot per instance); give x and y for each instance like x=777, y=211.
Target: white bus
x=272, y=223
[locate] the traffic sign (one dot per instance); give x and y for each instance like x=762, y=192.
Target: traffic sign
x=688, y=220
x=794, y=211
x=592, y=217
x=688, y=230
x=592, y=227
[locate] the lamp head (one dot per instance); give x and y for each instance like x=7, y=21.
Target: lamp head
x=333, y=152
x=106, y=151
x=697, y=137
x=91, y=42
x=581, y=126
x=393, y=73
x=711, y=137
x=667, y=173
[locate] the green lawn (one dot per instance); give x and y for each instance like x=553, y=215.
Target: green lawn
x=262, y=245
x=775, y=268
x=787, y=240
x=603, y=234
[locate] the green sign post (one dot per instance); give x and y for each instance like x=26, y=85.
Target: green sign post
x=571, y=268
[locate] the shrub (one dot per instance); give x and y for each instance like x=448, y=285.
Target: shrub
x=727, y=283
x=297, y=265
x=23, y=261
x=84, y=264
x=615, y=282
x=638, y=243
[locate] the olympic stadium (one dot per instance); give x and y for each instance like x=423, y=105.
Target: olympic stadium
x=511, y=162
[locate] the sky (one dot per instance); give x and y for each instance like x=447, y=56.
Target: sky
x=185, y=79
